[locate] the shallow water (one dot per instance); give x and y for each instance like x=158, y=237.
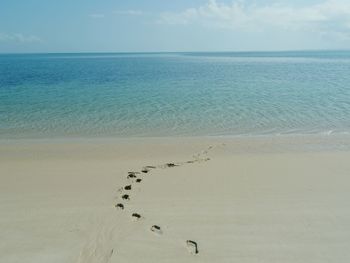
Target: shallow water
x=174, y=94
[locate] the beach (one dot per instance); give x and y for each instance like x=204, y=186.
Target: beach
x=267, y=199
x=204, y=131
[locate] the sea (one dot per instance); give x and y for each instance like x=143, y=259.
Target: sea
x=174, y=94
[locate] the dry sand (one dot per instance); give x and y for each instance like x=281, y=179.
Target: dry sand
x=255, y=200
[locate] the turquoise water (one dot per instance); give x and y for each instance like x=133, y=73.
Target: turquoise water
x=174, y=94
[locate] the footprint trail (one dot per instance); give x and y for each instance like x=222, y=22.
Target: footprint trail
x=137, y=177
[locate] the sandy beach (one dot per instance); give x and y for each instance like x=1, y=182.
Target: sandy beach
x=239, y=200
x=211, y=131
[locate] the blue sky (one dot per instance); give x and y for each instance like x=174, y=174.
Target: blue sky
x=181, y=25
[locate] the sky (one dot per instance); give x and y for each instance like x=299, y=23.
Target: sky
x=179, y=25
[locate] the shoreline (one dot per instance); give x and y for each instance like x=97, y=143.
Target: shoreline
x=238, y=144
x=229, y=136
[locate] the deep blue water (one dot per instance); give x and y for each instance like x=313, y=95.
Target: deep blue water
x=174, y=94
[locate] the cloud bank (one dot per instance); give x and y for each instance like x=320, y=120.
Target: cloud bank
x=19, y=38
x=330, y=17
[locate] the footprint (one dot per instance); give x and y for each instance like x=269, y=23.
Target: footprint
x=156, y=229
x=192, y=246
x=170, y=165
x=138, y=180
x=136, y=216
x=126, y=197
x=131, y=175
x=145, y=170
x=127, y=187
x=119, y=206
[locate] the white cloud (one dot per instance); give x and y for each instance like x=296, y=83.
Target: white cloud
x=329, y=16
x=18, y=37
x=129, y=12
x=97, y=15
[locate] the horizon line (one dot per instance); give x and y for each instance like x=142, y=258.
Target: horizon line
x=169, y=52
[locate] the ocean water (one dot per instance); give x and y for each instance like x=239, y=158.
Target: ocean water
x=174, y=94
